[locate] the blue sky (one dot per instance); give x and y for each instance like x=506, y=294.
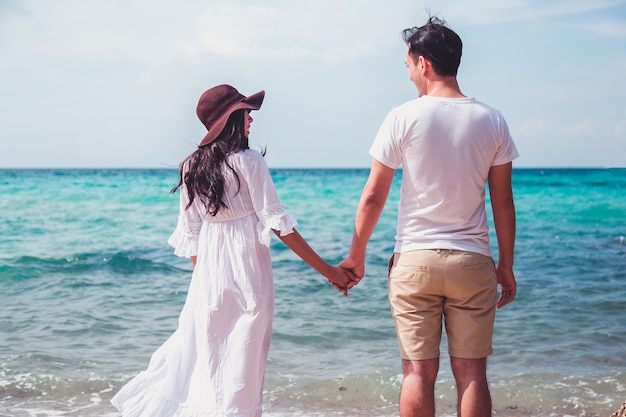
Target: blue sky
x=115, y=83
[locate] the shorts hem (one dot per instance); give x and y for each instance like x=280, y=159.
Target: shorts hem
x=471, y=354
x=419, y=356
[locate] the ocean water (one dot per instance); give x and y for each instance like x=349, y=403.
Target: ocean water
x=89, y=289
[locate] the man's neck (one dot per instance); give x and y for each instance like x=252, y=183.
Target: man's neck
x=444, y=87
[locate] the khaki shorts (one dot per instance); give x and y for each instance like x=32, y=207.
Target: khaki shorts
x=428, y=285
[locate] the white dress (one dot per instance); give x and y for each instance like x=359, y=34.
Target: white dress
x=214, y=363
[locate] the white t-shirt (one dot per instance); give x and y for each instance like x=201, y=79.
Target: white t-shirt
x=446, y=147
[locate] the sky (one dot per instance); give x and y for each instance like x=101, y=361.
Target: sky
x=115, y=83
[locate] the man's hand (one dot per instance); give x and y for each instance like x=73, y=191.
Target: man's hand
x=357, y=267
x=342, y=279
x=508, y=286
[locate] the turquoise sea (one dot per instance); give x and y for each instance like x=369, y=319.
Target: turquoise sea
x=89, y=289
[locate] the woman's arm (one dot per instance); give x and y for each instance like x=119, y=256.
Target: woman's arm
x=341, y=278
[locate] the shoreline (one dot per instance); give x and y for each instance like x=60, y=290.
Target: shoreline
x=85, y=394
x=98, y=405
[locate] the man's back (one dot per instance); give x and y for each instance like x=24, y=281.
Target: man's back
x=446, y=147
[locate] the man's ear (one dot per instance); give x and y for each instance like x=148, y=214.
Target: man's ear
x=424, y=64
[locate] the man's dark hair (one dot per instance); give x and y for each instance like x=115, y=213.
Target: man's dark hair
x=437, y=43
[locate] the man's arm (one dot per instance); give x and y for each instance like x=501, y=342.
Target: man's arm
x=370, y=207
x=501, y=193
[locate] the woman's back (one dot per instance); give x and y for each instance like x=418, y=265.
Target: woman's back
x=237, y=189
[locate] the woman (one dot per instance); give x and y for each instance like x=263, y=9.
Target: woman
x=214, y=364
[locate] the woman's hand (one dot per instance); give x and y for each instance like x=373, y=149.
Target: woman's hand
x=342, y=279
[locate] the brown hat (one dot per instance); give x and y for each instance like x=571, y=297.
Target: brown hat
x=218, y=103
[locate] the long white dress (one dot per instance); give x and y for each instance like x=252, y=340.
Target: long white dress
x=214, y=363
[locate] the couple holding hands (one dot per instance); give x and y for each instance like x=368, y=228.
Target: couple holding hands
x=450, y=147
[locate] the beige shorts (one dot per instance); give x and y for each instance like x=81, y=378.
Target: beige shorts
x=428, y=285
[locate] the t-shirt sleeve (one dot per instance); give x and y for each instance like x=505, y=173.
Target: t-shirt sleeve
x=507, y=151
x=386, y=147
x=265, y=200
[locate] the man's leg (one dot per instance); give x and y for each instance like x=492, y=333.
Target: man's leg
x=417, y=397
x=474, y=399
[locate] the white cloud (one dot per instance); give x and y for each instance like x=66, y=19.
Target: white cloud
x=350, y=52
x=496, y=11
x=290, y=30
x=608, y=28
x=240, y=32
x=538, y=127
x=619, y=130
x=578, y=129
x=529, y=128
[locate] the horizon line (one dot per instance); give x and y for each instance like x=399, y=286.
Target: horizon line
x=285, y=168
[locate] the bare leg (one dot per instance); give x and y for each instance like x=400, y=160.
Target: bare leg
x=417, y=397
x=474, y=399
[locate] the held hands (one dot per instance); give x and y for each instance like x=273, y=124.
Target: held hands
x=342, y=279
x=346, y=275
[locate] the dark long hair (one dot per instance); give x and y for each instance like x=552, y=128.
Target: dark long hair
x=203, y=171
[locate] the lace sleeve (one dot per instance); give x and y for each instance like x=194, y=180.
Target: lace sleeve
x=184, y=240
x=274, y=218
x=265, y=200
x=185, y=236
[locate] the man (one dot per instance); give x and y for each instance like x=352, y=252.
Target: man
x=449, y=146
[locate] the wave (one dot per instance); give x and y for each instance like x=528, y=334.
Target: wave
x=34, y=393
x=124, y=263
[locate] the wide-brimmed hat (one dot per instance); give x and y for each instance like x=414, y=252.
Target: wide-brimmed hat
x=218, y=103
